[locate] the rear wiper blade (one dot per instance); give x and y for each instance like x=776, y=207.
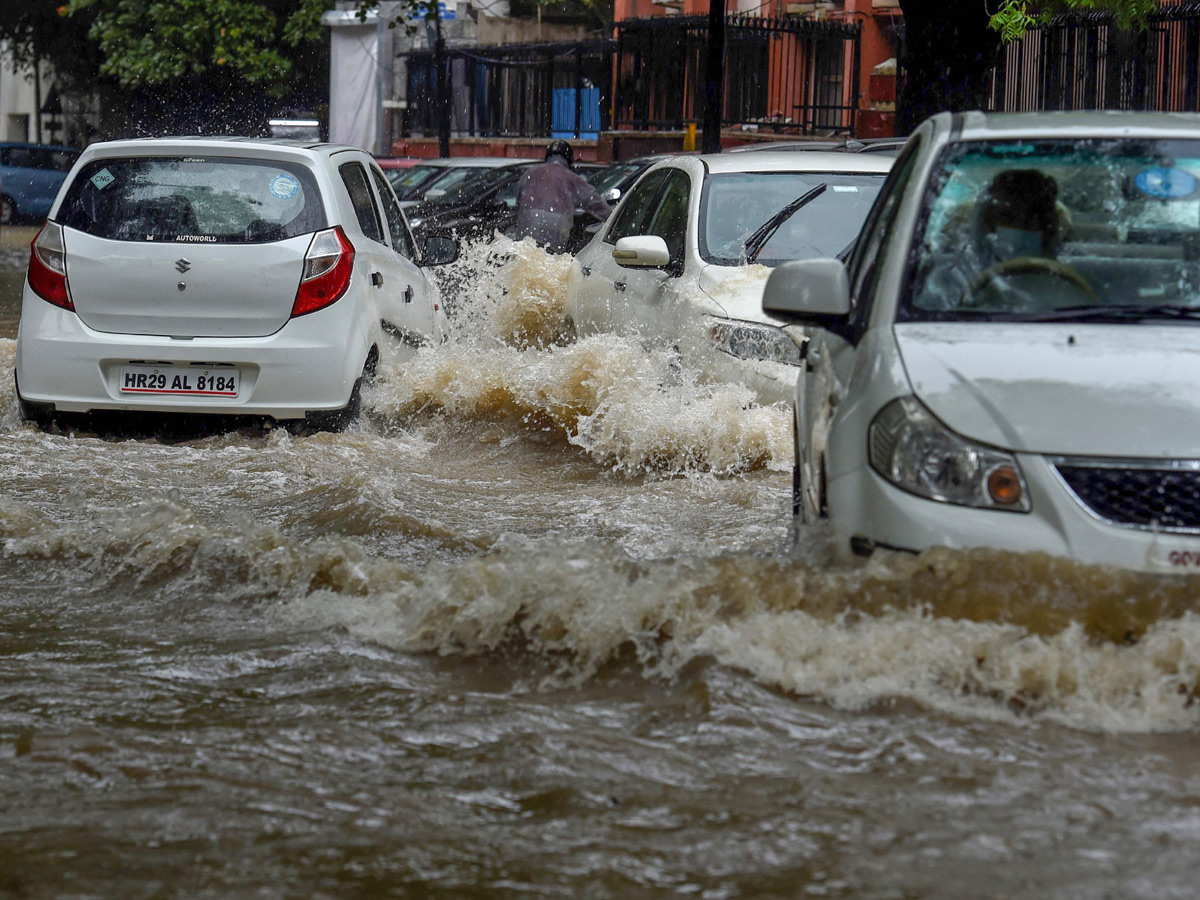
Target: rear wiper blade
x=763, y=233
x=1119, y=312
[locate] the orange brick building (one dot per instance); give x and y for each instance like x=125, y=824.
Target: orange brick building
x=881, y=26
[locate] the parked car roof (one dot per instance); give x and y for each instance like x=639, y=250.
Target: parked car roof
x=847, y=145
x=786, y=161
x=1102, y=123
x=397, y=162
x=468, y=161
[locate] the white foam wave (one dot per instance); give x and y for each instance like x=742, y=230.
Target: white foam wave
x=630, y=408
x=852, y=638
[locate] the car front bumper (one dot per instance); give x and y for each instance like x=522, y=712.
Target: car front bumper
x=868, y=512
x=309, y=365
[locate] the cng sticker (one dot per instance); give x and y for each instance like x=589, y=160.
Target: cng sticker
x=102, y=179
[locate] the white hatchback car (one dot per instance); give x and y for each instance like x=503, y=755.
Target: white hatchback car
x=1010, y=358
x=683, y=260
x=222, y=276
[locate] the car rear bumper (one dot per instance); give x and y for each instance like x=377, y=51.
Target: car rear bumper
x=309, y=365
x=867, y=512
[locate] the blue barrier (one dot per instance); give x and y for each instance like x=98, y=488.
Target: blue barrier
x=562, y=113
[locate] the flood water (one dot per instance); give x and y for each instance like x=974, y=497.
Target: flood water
x=538, y=627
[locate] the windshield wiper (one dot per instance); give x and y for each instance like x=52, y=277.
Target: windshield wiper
x=763, y=233
x=1119, y=312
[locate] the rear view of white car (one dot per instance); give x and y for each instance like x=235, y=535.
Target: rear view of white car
x=220, y=276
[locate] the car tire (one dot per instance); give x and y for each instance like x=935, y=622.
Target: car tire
x=341, y=419
x=39, y=414
x=8, y=210
x=337, y=419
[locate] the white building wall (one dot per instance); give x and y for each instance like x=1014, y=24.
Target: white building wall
x=18, y=100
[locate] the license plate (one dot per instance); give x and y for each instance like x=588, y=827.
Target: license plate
x=185, y=381
x=1166, y=557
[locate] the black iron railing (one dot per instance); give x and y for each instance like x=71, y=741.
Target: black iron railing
x=1084, y=61
x=785, y=75
x=781, y=74
x=523, y=90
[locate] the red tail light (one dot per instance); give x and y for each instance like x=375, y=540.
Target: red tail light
x=327, y=267
x=47, y=273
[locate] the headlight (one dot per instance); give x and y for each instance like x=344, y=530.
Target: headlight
x=917, y=453
x=751, y=340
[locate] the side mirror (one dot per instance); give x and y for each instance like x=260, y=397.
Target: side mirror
x=438, y=250
x=612, y=195
x=647, y=251
x=808, y=288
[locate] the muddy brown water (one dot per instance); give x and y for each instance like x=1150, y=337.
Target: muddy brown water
x=538, y=627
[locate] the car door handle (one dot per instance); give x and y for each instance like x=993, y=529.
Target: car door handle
x=377, y=279
x=408, y=293
x=619, y=285
x=586, y=270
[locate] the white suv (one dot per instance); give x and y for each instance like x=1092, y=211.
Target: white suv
x=222, y=276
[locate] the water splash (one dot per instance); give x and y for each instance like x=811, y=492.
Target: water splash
x=633, y=409
x=982, y=634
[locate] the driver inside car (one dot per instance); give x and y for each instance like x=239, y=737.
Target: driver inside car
x=1018, y=233
x=1018, y=217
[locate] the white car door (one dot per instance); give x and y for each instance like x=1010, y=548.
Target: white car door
x=410, y=285
x=602, y=283
x=647, y=304
x=384, y=277
x=830, y=356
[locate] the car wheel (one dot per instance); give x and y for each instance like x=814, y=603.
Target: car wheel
x=341, y=419
x=337, y=419
x=39, y=414
x=8, y=210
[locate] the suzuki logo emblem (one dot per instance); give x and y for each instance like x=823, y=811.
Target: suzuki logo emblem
x=183, y=264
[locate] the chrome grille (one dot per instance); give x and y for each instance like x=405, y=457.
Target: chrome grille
x=1154, y=495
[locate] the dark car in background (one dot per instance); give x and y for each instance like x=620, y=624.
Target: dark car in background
x=477, y=207
x=414, y=184
x=615, y=180
x=30, y=176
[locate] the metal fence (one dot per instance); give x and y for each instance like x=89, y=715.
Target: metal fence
x=1086, y=62
x=784, y=74
x=787, y=75
x=523, y=90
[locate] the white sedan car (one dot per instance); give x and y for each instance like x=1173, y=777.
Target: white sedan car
x=1010, y=357
x=222, y=276
x=683, y=260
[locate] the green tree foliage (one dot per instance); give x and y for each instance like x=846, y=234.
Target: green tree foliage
x=1015, y=17
x=152, y=42
x=42, y=30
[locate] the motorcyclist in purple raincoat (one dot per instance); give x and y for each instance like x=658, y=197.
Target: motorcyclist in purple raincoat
x=548, y=196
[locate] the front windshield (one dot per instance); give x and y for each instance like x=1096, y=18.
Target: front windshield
x=470, y=183
x=612, y=176
x=1054, y=229
x=450, y=179
x=407, y=182
x=737, y=204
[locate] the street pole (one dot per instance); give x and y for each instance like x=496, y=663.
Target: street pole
x=714, y=77
x=443, y=90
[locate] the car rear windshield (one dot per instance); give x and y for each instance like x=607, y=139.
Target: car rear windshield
x=193, y=198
